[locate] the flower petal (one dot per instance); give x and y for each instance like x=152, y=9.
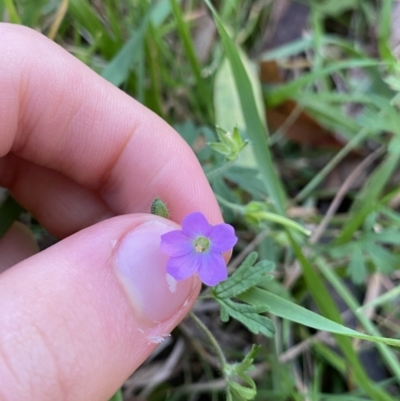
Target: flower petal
x=195, y=224
x=212, y=269
x=222, y=238
x=175, y=243
x=183, y=267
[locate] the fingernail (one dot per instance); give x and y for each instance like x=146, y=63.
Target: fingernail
x=141, y=268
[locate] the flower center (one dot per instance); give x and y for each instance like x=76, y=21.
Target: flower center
x=201, y=244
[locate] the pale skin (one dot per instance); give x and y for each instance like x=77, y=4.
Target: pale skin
x=86, y=160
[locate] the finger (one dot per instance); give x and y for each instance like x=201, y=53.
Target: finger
x=59, y=203
x=78, y=318
x=16, y=245
x=59, y=114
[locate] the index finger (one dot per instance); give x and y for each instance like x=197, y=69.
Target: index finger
x=59, y=114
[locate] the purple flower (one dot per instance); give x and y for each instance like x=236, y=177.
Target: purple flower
x=198, y=247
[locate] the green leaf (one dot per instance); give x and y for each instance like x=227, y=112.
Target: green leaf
x=255, y=128
x=241, y=393
x=318, y=290
x=295, y=313
x=118, y=69
x=390, y=236
x=239, y=371
x=84, y=14
x=293, y=88
x=222, y=135
x=231, y=143
x=12, y=12
x=357, y=269
x=224, y=313
x=245, y=277
x=384, y=260
x=248, y=315
x=226, y=100
x=385, y=31
x=220, y=148
x=228, y=110
x=242, y=367
x=246, y=178
x=204, y=93
x=184, y=33
x=388, y=355
x=336, y=8
x=368, y=197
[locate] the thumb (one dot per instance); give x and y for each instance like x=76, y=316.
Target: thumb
x=78, y=318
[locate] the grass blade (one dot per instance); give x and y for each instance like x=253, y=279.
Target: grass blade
x=82, y=11
x=12, y=12
x=352, y=303
x=328, y=308
x=353, y=143
x=255, y=129
x=117, y=71
x=295, y=313
x=368, y=197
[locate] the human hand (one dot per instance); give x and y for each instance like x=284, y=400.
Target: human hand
x=78, y=318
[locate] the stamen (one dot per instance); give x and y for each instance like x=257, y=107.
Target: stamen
x=201, y=244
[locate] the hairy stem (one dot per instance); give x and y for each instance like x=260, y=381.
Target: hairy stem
x=211, y=339
x=220, y=170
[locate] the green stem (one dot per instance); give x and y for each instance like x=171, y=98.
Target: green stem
x=204, y=94
x=386, y=297
x=236, y=208
x=211, y=339
x=220, y=170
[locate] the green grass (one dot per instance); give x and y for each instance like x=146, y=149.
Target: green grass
x=148, y=49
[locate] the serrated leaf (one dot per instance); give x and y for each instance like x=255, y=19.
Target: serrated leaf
x=239, y=371
x=224, y=313
x=245, y=365
x=384, y=261
x=248, y=315
x=390, y=236
x=357, y=269
x=245, y=277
